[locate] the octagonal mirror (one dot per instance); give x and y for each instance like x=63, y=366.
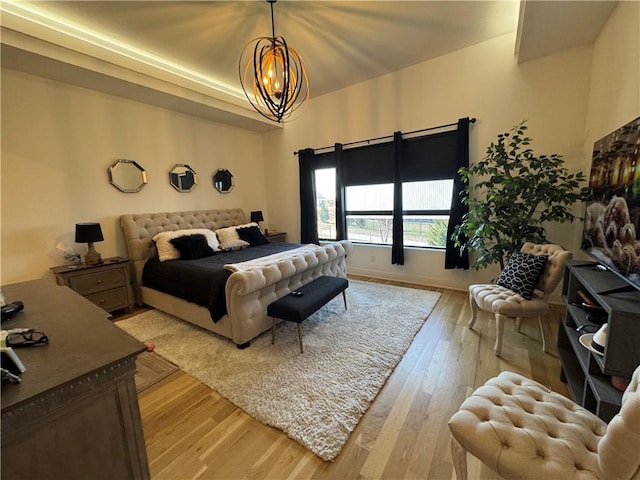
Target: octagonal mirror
x=183, y=178
x=223, y=180
x=127, y=176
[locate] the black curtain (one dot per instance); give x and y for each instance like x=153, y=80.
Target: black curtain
x=454, y=257
x=341, y=220
x=397, y=247
x=308, y=214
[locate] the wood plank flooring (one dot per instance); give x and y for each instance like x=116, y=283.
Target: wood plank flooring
x=191, y=432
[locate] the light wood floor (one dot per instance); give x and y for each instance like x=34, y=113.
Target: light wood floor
x=192, y=432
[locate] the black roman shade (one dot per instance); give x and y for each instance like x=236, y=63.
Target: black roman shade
x=368, y=165
x=431, y=157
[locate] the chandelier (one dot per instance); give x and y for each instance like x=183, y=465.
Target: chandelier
x=273, y=76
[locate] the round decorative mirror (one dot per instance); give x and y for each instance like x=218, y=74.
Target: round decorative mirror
x=127, y=176
x=223, y=180
x=183, y=178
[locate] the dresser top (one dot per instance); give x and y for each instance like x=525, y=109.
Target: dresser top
x=82, y=339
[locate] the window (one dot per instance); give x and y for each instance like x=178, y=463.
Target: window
x=369, y=213
x=395, y=190
x=325, y=183
x=425, y=216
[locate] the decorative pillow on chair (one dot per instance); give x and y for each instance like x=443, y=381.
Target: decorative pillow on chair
x=192, y=247
x=253, y=235
x=522, y=273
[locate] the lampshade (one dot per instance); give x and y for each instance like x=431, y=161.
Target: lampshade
x=273, y=76
x=88, y=232
x=257, y=216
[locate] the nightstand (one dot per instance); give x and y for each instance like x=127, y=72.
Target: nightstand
x=275, y=237
x=107, y=284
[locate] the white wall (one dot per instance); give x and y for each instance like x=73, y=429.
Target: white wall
x=59, y=140
x=482, y=81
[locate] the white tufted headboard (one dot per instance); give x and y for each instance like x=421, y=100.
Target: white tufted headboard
x=140, y=228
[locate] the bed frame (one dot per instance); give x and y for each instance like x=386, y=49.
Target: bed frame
x=248, y=292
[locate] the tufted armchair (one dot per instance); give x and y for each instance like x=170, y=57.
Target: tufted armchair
x=521, y=429
x=505, y=303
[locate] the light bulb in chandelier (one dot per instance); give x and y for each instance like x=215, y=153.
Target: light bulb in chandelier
x=273, y=77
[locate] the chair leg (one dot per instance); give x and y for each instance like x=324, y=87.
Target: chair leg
x=518, y=324
x=544, y=341
x=474, y=311
x=344, y=297
x=497, y=348
x=459, y=457
x=273, y=331
x=300, y=337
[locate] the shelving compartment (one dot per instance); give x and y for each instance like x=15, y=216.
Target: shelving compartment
x=587, y=374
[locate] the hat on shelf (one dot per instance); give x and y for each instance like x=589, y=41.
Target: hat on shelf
x=596, y=342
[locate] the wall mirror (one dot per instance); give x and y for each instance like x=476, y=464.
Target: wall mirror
x=183, y=178
x=127, y=176
x=223, y=180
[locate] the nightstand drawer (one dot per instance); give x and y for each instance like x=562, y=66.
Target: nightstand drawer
x=97, y=282
x=110, y=299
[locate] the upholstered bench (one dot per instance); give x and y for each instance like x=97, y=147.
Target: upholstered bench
x=302, y=303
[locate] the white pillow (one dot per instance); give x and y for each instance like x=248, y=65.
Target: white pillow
x=228, y=234
x=234, y=245
x=166, y=250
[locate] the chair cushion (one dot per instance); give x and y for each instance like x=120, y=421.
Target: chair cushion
x=522, y=273
x=497, y=299
x=521, y=429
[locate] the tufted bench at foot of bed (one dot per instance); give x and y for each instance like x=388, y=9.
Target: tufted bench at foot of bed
x=302, y=303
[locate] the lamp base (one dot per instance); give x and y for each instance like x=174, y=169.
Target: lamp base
x=92, y=257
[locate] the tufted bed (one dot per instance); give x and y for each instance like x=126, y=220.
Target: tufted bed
x=248, y=290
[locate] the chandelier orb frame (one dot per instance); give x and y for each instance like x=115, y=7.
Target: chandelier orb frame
x=273, y=76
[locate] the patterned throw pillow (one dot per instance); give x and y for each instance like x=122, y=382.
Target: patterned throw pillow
x=522, y=273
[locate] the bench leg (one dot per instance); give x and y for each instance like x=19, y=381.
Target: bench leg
x=300, y=336
x=344, y=297
x=273, y=331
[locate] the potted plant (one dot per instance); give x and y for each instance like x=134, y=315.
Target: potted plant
x=516, y=193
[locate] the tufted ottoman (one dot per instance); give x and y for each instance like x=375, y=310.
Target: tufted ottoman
x=521, y=429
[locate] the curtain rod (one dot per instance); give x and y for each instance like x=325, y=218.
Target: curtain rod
x=471, y=120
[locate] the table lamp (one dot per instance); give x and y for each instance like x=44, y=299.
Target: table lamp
x=89, y=233
x=257, y=217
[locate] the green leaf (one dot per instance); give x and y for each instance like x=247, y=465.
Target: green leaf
x=515, y=192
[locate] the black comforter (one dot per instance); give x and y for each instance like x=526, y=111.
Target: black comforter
x=202, y=281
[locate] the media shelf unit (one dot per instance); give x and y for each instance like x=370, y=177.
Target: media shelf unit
x=587, y=374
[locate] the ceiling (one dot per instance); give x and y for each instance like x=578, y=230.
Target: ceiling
x=341, y=42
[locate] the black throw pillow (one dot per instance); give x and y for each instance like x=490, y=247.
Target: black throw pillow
x=253, y=235
x=522, y=273
x=192, y=247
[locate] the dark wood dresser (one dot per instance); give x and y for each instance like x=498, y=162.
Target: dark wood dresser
x=75, y=414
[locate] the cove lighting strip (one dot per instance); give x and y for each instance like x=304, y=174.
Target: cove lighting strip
x=30, y=13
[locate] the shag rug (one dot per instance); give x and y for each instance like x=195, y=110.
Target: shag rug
x=318, y=397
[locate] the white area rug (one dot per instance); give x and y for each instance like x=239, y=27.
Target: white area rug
x=317, y=397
